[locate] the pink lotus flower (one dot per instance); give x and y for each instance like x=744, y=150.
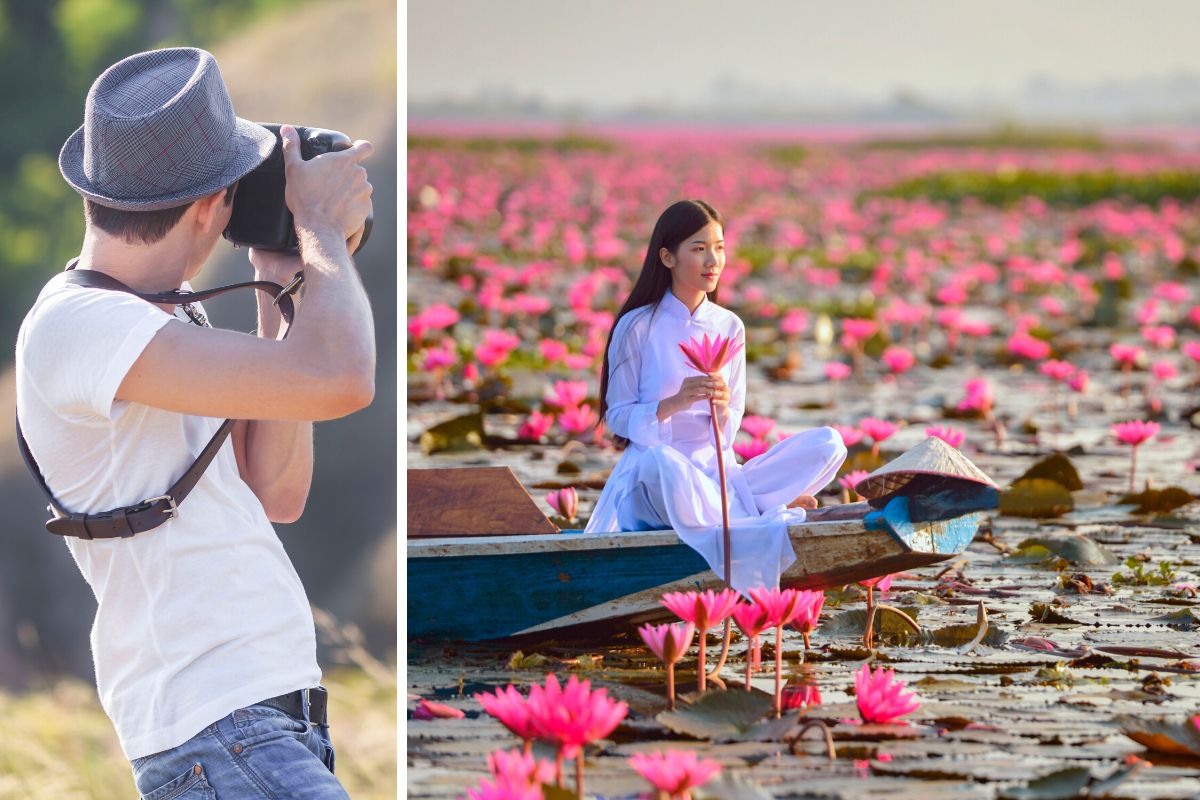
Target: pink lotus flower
x=751, y=449
x=1125, y=354
x=877, y=430
x=674, y=772
x=781, y=607
x=809, y=615
x=535, y=426
x=1057, y=370
x=568, y=394
x=1023, y=345
x=1191, y=350
x=803, y=695
x=668, y=642
x=757, y=427
x=710, y=356
x=1160, y=336
x=578, y=420
x=512, y=710
x=515, y=776
x=898, y=359
x=794, y=322
x=704, y=610
x=975, y=328
x=1079, y=381
x=880, y=697
x=882, y=583
x=851, y=479
x=752, y=619
x=1163, y=370
x=439, y=358
x=427, y=709
x=859, y=330
x=837, y=371
x=1134, y=433
x=439, y=316
x=553, y=350
x=564, y=502
x=951, y=436
x=979, y=396
x=850, y=434
x=572, y=716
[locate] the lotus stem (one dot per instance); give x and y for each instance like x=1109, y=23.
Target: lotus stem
x=805, y=634
x=778, y=671
x=558, y=761
x=1132, y=467
x=700, y=674
x=712, y=407
x=671, y=685
x=830, y=751
x=749, y=660
x=528, y=746
x=869, y=632
x=904, y=618
x=715, y=675
x=579, y=775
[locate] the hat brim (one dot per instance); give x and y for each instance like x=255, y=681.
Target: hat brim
x=250, y=145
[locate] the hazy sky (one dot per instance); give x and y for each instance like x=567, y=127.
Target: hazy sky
x=612, y=53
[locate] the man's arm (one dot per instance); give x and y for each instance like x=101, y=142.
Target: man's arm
x=326, y=367
x=274, y=457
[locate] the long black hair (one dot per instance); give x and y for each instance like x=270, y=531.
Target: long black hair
x=676, y=224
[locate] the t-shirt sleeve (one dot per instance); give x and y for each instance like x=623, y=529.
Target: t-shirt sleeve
x=83, y=344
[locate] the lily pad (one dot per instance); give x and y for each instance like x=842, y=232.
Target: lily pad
x=1159, y=500
x=1044, y=612
x=1183, y=619
x=854, y=623
x=719, y=714
x=1036, y=497
x=1074, y=547
x=730, y=786
x=769, y=730
x=1174, y=737
x=1057, y=468
x=457, y=435
x=1062, y=785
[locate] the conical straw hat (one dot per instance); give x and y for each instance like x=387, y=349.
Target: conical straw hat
x=930, y=457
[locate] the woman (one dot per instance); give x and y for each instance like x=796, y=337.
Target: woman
x=658, y=409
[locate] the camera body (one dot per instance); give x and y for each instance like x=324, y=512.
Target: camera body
x=260, y=217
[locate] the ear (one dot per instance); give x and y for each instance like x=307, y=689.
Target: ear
x=208, y=208
x=667, y=257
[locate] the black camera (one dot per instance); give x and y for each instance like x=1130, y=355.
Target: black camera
x=260, y=216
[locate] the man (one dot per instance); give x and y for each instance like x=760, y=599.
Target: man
x=203, y=642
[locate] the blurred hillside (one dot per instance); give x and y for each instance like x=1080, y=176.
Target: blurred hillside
x=330, y=64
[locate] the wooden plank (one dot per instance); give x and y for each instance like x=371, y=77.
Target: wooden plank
x=474, y=501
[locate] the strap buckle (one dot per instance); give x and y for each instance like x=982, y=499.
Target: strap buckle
x=291, y=288
x=172, y=510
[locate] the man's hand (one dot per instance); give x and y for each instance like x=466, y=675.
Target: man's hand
x=330, y=191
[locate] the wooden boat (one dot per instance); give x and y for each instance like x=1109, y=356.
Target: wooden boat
x=548, y=584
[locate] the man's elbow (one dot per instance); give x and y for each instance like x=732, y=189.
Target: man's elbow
x=285, y=509
x=346, y=394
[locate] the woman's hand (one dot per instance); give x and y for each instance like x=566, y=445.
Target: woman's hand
x=700, y=387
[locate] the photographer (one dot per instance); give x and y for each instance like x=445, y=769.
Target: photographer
x=203, y=643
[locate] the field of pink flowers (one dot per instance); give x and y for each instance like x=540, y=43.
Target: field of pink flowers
x=1035, y=304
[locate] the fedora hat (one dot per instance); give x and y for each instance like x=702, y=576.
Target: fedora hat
x=159, y=131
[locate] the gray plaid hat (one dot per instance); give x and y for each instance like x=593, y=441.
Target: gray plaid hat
x=159, y=131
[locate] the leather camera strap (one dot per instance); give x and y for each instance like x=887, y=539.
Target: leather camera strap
x=152, y=512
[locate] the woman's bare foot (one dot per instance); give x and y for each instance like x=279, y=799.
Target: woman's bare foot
x=805, y=501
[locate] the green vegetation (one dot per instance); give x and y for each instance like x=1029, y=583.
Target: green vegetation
x=525, y=145
x=57, y=48
x=1003, y=137
x=1141, y=575
x=786, y=155
x=1073, y=190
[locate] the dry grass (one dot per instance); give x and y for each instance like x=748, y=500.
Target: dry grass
x=61, y=745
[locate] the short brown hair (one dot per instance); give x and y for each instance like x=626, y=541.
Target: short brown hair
x=140, y=227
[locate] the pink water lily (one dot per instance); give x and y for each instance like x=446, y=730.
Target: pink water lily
x=709, y=356
x=803, y=695
x=751, y=449
x=674, y=772
x=704, y=610
x=898, y=359
x=535, y=426
x=951, y=436
x=809, y=616
x=781, y=607
x=1134, y=433
x=850, y=434
x=757, y=427
x=752, y=619
x=849, y=481
x=878, y=431
x=575, y=421
x=512, y=710
x=881, y=697
x=572, y=716
x=668, y=643
x=514, y=776
x=568, y=394
x=564, y=502
x=428, y=709
x=837, y=371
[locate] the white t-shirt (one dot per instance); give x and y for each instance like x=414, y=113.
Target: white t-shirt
x=204, y=614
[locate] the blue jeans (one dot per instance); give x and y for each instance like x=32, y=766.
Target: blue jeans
x=255, y=752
